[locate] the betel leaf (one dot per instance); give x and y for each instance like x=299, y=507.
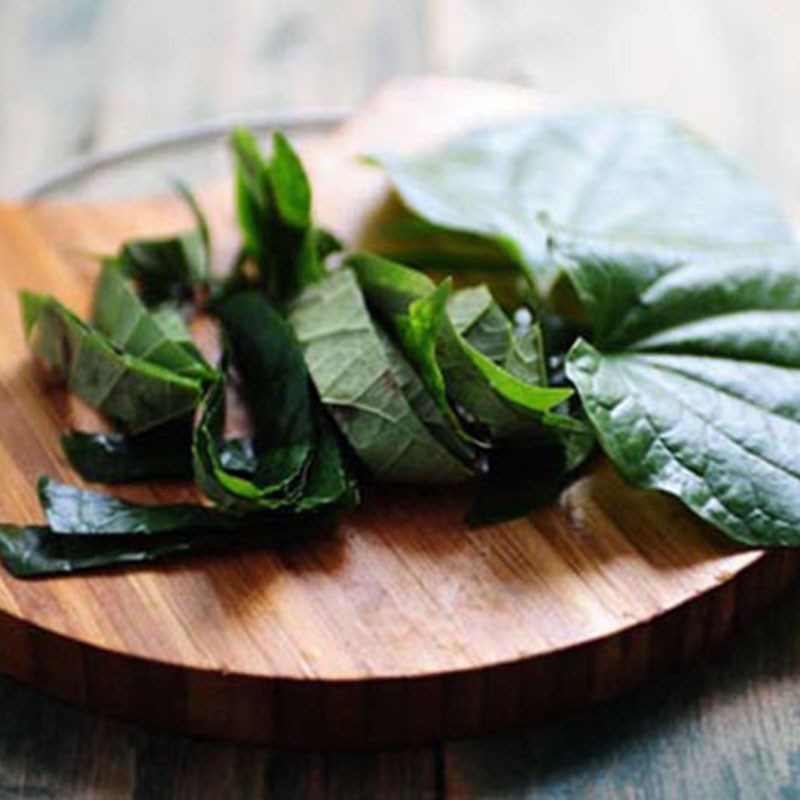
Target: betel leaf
x=160, y=338
x=275, y=382
x=434, y=412
x=228, y=474
x=619, y=173
x=72, y=510
x=692, y=379
x=278, y=396
x=133, y=392
x=171, y=268
x=34, y=551
x=295, y=463
x=167, y=269
x=490, y=395
x=416, y=335
x=352, y=371
x=184, y=191
x=273, y=202
x=516, y=348
x=163, y=453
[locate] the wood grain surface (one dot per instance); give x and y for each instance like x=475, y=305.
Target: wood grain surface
x=400, y=625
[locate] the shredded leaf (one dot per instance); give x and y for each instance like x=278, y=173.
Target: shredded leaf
x=136, y=394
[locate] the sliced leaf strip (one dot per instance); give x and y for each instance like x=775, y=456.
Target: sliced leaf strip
x=516, y=348
x=493, y=397
x=160, y=338
x=355, y=379
x=133, y=392
x=296, y=464
x=33, y=551
x=167, y=269
x=72, y=510
x=273, y=201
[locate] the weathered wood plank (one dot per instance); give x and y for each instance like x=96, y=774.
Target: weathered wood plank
x=723, y=728
x=48, y=749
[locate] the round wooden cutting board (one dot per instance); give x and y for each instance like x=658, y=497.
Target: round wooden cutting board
x=400, y=625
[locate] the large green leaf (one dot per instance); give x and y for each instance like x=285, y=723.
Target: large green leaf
x=630, y=175
x=371, y=402
x=135, y=393
x=693, y=377
x=159, y=337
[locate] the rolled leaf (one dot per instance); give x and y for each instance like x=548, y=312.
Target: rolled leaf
x=160, y=338
x=134, y=393
x=453, y=369
x=353, y=373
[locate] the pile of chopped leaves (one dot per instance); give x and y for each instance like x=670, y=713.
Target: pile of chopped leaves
x=648, y=299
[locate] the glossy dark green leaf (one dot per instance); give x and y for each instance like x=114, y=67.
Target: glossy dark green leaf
x=693, y=377
x=161, y=454
x=34, y=551
x=296, y=464
x=623, y=174
x=370, y=402
x=273, y=201
x=166, y=269
x=135, y=393
x=72, y=510
x=158, y=337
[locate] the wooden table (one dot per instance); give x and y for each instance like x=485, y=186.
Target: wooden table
x=721, y=729
x=82, y=74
